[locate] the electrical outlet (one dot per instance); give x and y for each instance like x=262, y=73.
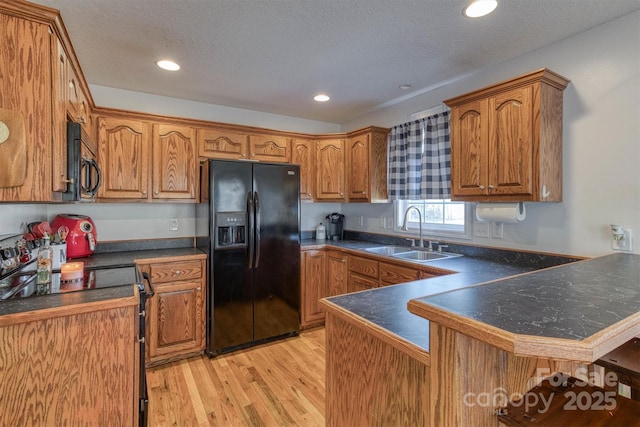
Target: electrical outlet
x=621, y=238
x=496, y=230
x=173, y=224
x=481, y=229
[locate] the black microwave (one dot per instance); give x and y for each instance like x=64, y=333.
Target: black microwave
x=83, y=173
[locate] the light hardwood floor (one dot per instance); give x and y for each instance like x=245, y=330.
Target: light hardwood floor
x=277, y=384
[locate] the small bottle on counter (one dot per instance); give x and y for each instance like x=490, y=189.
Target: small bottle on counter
x=45, y=261
x=321, y=232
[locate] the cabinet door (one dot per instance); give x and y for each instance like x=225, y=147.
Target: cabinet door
x=313, y=287
x=358, y=179
x=510, y=142
x=59, y=164
x=337, y=273
x=222, y=144
x=174, y=162
x=175, y=319
x=269, y=148
x=330, y=170
x=123, y=155
x=302, y=154
x=469, y=149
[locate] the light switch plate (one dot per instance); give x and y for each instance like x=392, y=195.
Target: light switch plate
x=481, y=229
x=173, y=224
x=496, y=230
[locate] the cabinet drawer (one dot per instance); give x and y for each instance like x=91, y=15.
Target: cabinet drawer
x=391, y=274
x=187, y=270
x=360, y=283
x=366, y=267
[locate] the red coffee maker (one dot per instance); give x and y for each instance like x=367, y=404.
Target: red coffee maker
x=83, y=236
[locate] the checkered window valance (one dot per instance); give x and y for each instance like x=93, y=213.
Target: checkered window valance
x=419, y=159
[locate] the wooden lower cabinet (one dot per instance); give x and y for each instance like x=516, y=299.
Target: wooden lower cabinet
x=336, y=273
x=313, y=282
x=71, y=366
x=328, y=272
x=176, y=313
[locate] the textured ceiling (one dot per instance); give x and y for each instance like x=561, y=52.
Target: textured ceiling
x=274, y=55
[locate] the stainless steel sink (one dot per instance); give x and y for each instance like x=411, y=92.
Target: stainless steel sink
x=388, y=250
x=423, y=256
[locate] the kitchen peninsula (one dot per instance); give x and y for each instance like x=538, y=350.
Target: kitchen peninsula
x=498, y=333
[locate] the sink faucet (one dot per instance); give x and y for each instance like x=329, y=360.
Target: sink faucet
x=404, y=223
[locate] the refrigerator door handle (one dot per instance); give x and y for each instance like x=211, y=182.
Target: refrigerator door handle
x=250, y=214
x=256, y=197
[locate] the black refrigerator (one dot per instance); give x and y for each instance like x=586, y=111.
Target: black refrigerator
x=253, y=212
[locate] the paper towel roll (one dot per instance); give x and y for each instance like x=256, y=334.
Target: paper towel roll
x=501, y=212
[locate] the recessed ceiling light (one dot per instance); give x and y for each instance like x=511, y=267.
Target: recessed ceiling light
x=168, y=65
x=321, y=98
x=405, y=86
x=478, y=8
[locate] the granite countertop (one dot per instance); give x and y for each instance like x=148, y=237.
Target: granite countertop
x=576, y=311
x=96, y=261
x=387, y=307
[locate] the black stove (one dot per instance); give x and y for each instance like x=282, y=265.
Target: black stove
x=23, y=284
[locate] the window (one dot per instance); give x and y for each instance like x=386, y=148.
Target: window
x=442, y=218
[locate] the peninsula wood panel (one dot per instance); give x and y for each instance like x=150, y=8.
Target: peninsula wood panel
x=222, y=144
x=369, y=382
x=77, y=369
x=303, y=154
x=330, y=170
x=123, y=155
x=174, y=162
x=464, y=369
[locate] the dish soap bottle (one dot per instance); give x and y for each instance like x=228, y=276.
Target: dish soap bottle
x=321, y=232
x=45, y=259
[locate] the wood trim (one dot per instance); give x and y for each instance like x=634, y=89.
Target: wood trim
x=370, y=328
x=541, y=75
x=585, y=351
x=74, y=306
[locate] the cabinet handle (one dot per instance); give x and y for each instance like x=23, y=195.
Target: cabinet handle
x=491, y=187
x=156, y=193
x=341, y=194
x=481, y=187
x=177, y=272
x=144, y=193
x=364, y=192
x=198, y=288
x=82, y=119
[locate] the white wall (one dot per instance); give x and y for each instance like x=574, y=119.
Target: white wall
x=601, y=179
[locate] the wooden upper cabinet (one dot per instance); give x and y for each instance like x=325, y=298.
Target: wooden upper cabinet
x=174, y=162
x=358, y=172
x=330, y=170
x=367, y=166
x=26, y=103
x=59, y=105
x=506, y=140
x=221, y=144
x=270, y=148
x=123, y=155
x=303, y=154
